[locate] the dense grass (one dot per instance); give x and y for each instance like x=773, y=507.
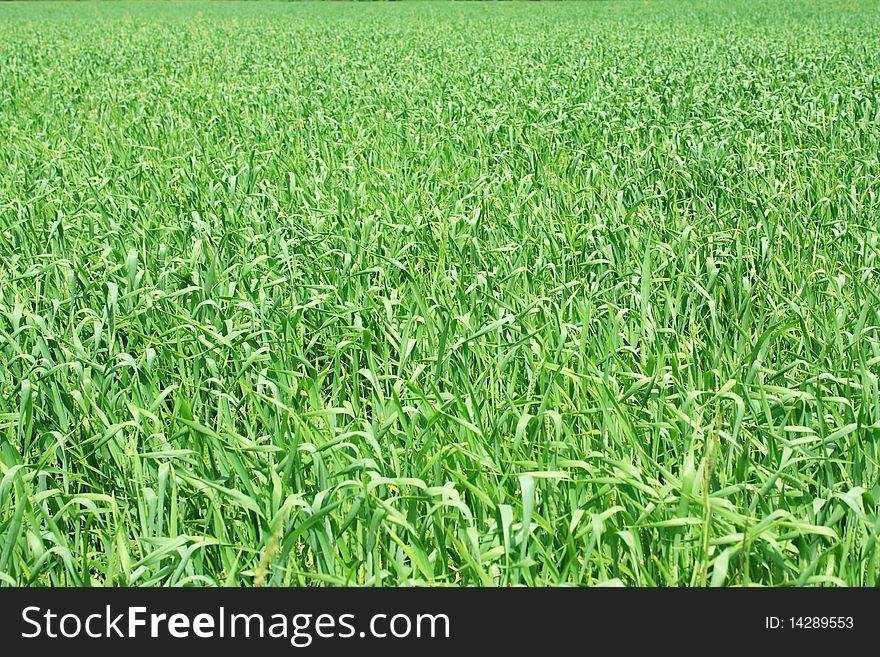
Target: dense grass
x=440, y=293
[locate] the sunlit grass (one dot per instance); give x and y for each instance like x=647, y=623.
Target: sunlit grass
x=474, y=294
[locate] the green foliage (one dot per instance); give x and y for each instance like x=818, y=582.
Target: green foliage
x=446, y=294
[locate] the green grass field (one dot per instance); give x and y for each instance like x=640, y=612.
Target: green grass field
x=440, y=294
